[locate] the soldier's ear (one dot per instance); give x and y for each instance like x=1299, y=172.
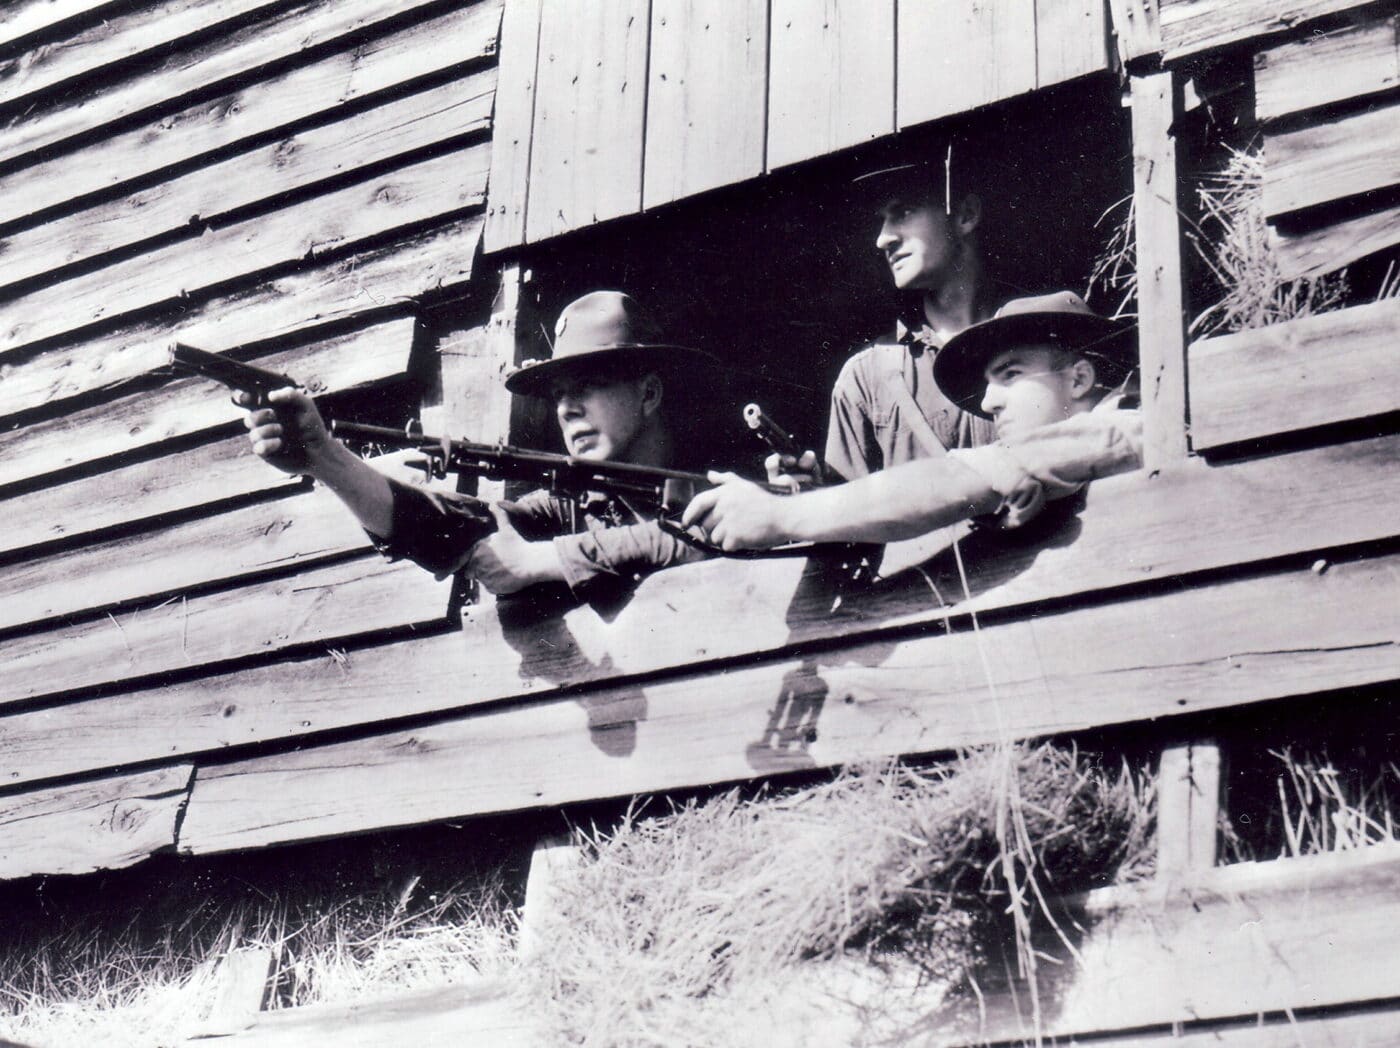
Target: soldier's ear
x=968, y=214
x=1083, y=377
x=652, y=392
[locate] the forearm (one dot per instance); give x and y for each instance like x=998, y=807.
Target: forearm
x=364, y=490
x=897, y=503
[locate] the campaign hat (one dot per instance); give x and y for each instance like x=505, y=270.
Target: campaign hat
x=604, y=330
x=1061, y=319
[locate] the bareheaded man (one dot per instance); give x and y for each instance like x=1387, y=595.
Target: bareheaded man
x=1049, y=375
x=607, y=380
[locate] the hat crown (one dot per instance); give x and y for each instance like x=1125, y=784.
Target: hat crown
x=1055, y=302
x=602, y=320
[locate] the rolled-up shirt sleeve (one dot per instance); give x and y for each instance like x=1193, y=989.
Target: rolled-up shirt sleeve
x=1062, y=457
x=434, y=529
x=626, y=553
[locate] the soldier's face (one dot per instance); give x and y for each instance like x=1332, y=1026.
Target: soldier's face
x=920, y=243
x=599, y=417
x=1028, y=387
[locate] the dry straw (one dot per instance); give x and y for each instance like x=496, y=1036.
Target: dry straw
x=676, y=927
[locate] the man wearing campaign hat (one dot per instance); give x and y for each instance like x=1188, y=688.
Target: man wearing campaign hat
x=1050, y=375
x=607, y=379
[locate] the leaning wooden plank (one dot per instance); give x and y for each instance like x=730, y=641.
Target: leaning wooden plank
x=118, y=40
x=1291, y=376
x=279, y=100
x=442, y=187
x=1327, y=248
x=186, y=407
x=1192, y=26
x=590, y=101
x=205, y=196
x=384, y=280
x=1071, y=40
x=707, y=89
x=323, y=605
x=142, y=491
x=1128, y=532
x=202, y=69
x=241, y=984
x=831, y=78
x=105, y=824
x=1178, y=652
x=513, y=129
x=27, y=18
x=955, y=56
x=1357, y=59
x=1332, y=160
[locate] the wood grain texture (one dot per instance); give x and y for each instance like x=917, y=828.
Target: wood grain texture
x=117, y=40
x=1192, y=26
x=1357, y=59
x=1285, y=377
x=590, y=101
x=1327, y=248
x=1137, y=25
x=1188, y=807
x=142, y=491
x=1161, y=293
x=1183, y=651
x=385, y=280
x=278, y=100
x=324, y=605
x=200, y=70
x=831, y=77
x=513, y=129
x=707, y=96
x=240, y=989
x=1071, y=40
x=21, y=19
x=955, y=56
x=204, y=197
x=1332, y=160
x=105, y=824
x=442, y=187
x=187, y=407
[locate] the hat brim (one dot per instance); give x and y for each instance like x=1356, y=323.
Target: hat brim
x=533, y=380
x=960, y=368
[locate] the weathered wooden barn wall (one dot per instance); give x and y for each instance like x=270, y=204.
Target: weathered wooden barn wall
x=298, y=178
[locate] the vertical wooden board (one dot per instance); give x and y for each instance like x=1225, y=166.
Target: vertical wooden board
x=1136, y=24
x=1188, y=808
x=512, y=132
x=1348, y=156
x=1071, y=40
x=706, y=96
x=831, y=77
x=1161, y=293
x=590, y=101
x=1359, y=58
x=955, y=55
x=105, y=824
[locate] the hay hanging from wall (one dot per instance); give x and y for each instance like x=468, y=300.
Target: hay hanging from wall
x=675, y=928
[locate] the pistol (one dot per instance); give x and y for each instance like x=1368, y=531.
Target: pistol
x=772, y=434
x=256, y=381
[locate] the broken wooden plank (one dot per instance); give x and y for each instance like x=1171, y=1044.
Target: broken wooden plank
x=116, y=41
x=206, y=196
x=1302, y=373
x=282, y=99
x=186, y=407
x=1189, y=27
x=1333, y=159
x=442, y=187
x=104, y=824
x=240, y=990
x=707, y=89
x=555, y=859
x=1327, y=248
x=1160, y=288
x=1188, y=808
x=324, y=605
x=1071, y=40
x=24, y=19
x=372, y=284
x=202, y=69
x=1359, y=58
x=831, y=77
x=1137, y=25
x=511, y=134
x=590, y=102
x=955, y=56
x=1182, y=651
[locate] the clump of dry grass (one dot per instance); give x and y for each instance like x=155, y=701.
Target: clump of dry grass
x=674, y=924
x=1324, y=809
x=125, y=990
